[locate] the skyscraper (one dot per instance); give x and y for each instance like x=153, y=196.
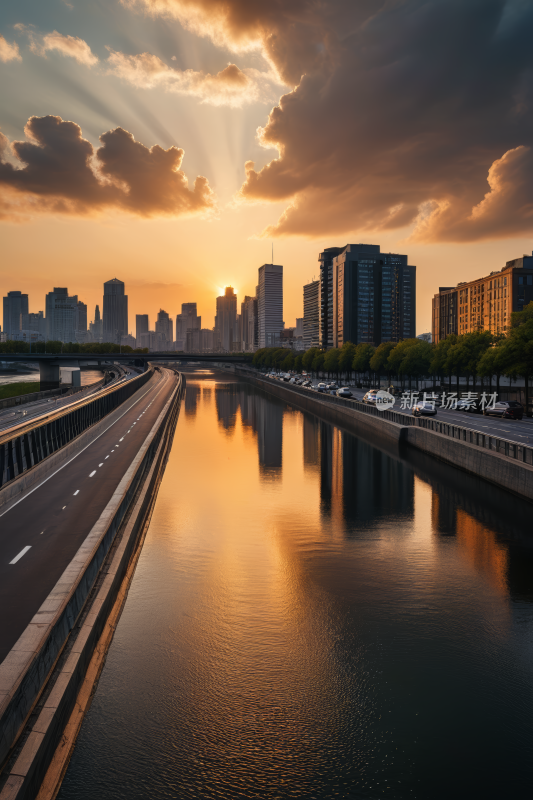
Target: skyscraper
x=95, y=328
x=311, y=322
x=249, y=323
x=270, y=304
x=163, y=327
x=188, y=325
x=225, y=320
x=115, y=321
x=61, y=315
x=142, y=325
x=15, y=305
x=374, y=296
x=325, y=299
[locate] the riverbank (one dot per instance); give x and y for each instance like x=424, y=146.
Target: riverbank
x=493, y=465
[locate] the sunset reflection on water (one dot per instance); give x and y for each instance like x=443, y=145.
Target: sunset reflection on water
x=313, y=616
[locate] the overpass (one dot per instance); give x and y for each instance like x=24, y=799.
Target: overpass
x=50, y=363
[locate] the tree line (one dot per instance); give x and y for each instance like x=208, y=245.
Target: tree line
x=52, y=346
x=480, y=354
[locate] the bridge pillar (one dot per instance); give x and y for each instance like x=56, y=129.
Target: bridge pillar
x=49, y=375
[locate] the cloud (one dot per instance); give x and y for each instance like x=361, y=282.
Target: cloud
x=9, y=51
x=402, y=113
x=231, y=86
x=60, y=172
x=71, y=46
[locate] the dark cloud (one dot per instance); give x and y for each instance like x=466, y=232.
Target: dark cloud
x=409, y=112
x=61, y=172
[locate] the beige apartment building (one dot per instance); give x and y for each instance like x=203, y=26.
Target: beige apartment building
x=484, y=304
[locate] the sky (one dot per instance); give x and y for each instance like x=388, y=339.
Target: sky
x=173, y=143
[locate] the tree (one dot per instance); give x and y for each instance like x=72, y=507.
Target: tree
x=346, y=356
x=398, y=354
x=298, y=362
x=331, y=360
x=308, y=357
x=416, y=361
x=318, y=361
x=439, y=361
x=518, y=347
x=464, y=355
x=379, y=361
x=362, y=357
x=288, y=362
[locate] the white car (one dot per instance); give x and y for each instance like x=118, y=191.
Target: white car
x=344, y=392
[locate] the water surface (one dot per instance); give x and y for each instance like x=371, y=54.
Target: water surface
x=313, y=616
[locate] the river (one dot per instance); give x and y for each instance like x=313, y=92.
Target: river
x=314, y=616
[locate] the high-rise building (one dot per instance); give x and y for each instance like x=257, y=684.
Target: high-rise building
x=374, y=296
x=128, y=341
x=186, y=324
x=484, y=304
x=270, y=304
x=115, y=319
x=142, y=325
x=15, y=305
x=325, y=299
x=206, y=340
x=311, y=319
x=34, y=322
x=163, y=327
x=95, y=327
x=225, y=320
x=249, y=323
x=61, y=315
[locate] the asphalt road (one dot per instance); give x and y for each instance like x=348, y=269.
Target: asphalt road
x=13, y=416
x=40, y=535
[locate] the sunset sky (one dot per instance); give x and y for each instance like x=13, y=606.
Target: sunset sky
x=168, y=143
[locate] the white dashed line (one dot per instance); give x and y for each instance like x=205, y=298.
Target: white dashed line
x=22, y=553
x=121, y=440
x=64, y=507
x=76, y=492
x=101, y=465
x=92, y=473
x=106, y=457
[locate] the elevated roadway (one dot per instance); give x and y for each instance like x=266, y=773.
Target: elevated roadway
x=42, y=531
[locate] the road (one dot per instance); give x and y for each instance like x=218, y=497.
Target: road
x=11, y=416
x=520, y=431
x=40, y=535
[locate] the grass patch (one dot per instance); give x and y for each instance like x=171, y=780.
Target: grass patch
x=16, y=389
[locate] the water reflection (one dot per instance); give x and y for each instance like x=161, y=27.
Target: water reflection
x=315, y=617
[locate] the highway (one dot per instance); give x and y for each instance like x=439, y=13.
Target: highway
x=42, y=532
x=12, y=416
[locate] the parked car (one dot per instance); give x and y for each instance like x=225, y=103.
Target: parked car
x=470, y=406
x=370, y=397
x=509, y=409
x=321, y=387
x=306, y=383
x=344, y=392
x=423, y=408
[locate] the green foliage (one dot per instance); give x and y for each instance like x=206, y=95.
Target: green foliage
x=331, y=360
x=16, y=389
x=346, y=356
x=288, y=362
x=318, y=361
x=378, y=362
x=308, y=358
x=362, y=357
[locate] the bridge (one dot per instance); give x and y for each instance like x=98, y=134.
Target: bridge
x=50, y=363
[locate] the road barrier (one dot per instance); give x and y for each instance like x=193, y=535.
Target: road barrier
x=33, y=442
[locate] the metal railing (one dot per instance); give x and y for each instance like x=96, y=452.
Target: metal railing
x=504, y=447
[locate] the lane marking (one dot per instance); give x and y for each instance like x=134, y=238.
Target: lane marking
x=121, y=440
x=92, y=473
x=76, y=492
x=22, y=553
x=149, y=389
x=64, y=507
x=105, y=457
x=101, y=465
x=41, y=533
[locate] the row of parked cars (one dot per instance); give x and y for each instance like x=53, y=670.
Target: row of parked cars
x=303, y=380
x=507, y=409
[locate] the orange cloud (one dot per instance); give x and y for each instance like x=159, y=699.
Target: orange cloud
x=399, y=112
x=60, y=172
x=231, y=86
x=70, y=46
x=9, y=51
